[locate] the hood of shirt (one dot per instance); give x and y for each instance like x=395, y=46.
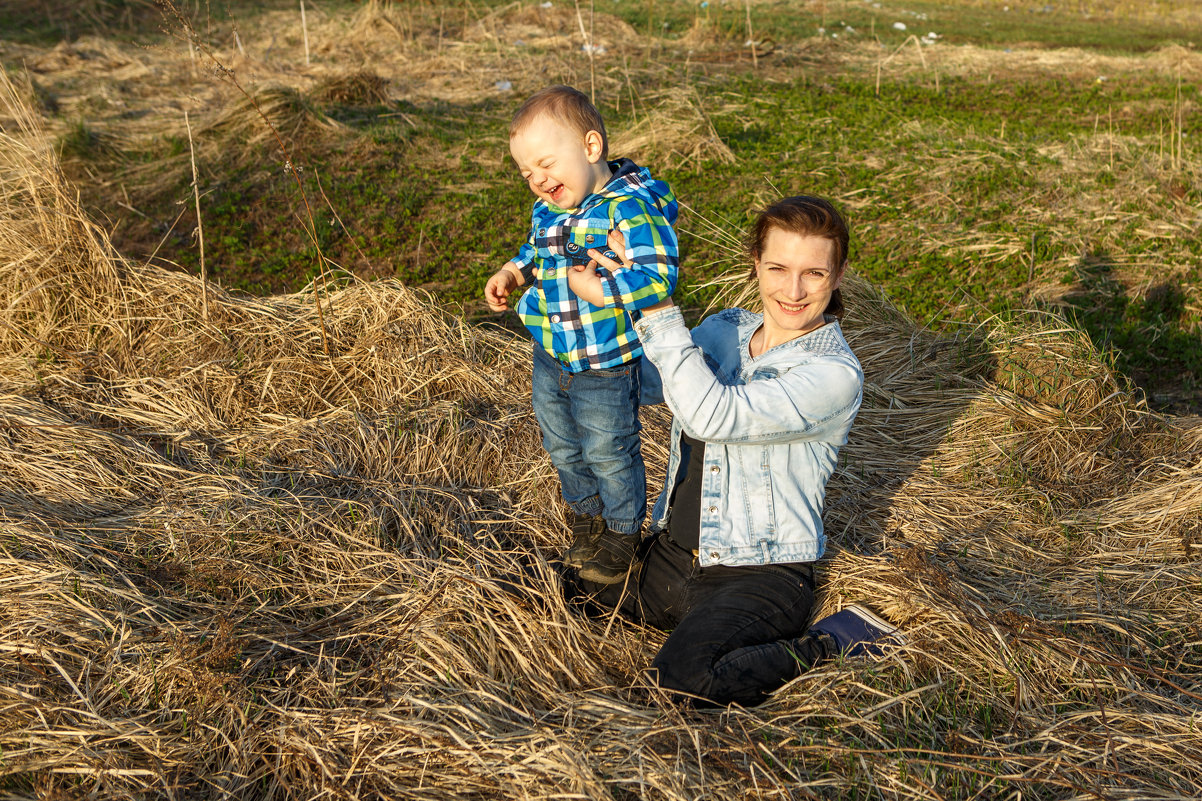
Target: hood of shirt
x=631, y=180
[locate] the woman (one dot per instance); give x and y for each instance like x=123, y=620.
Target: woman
x=761, y=404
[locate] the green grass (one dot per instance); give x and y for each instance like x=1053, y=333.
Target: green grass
x=970, y=194
x=1027, y=23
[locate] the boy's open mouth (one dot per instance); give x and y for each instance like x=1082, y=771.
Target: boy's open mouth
x=555, y=192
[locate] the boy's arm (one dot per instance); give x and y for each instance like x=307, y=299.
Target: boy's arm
x=518, y=271
x=524, y=262
x=652, y=257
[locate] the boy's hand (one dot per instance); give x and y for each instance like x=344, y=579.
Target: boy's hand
x=503, y=282
x=585, y=283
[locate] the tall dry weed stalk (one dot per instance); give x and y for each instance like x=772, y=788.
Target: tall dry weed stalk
x=183, y=26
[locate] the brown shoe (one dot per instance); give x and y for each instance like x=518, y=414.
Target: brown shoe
x=586, y=536
x=614, y=558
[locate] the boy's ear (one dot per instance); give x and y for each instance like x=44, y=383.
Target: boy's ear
x=593, y=146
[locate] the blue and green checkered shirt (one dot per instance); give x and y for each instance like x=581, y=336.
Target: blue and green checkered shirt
x=580, y=335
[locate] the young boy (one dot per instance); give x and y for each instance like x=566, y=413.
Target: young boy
x=586, y=352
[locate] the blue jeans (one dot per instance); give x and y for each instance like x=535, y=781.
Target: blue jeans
x=590, y=425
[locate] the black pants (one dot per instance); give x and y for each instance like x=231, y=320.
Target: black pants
x=736, y=632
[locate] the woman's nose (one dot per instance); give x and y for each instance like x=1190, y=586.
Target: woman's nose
x=799, y=289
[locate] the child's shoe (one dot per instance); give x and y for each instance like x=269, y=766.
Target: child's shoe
x=613, y=559
x=586, y=537
x=857, y=631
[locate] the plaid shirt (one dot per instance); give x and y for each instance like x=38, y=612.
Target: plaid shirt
x=580, y=335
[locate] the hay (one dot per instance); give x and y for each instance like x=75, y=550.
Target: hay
x=674, y=132
x=242, y=121
x=360, y=88
x=235, y=566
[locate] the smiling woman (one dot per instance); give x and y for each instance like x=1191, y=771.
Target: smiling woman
x=799, y=268
x=761, y=405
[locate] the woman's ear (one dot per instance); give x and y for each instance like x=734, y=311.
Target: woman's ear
x=593, y=146
x=839, y=276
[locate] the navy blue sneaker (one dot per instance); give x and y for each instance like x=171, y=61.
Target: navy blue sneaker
x=857, y=631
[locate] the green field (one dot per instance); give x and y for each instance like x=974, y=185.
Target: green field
x=1036, y=159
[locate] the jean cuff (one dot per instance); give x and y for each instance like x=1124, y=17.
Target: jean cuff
x=589, y=506
x=623, y=526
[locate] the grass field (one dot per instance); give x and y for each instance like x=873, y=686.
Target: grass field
x=251, y=529
x=994, y=170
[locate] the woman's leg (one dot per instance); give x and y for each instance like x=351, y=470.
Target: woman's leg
x=654, y=594
x=741, y=636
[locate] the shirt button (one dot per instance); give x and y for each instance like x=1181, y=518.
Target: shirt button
x=713, y=509
x=714, y=554
x=555, y=318
x=542, y=231
x=588, y=238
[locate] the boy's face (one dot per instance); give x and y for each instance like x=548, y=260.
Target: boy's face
x=561, y=166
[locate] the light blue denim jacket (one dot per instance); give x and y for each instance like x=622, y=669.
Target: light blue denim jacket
x=772, y=428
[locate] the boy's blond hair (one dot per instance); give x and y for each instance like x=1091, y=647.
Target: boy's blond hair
x=569, y=106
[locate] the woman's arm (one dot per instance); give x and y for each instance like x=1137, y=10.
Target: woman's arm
x=814, y=400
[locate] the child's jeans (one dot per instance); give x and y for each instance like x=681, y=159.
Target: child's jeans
x=590, y=425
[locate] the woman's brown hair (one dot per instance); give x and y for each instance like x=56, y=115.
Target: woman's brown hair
x=805, y=215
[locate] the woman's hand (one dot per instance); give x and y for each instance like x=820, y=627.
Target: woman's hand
x=617, y=243
x=585, y=283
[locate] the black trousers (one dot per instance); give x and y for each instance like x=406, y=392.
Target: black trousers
x=737, y=633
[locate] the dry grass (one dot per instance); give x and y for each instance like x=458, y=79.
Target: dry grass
x=360, y=88
x=673, y=131
x=234, y=566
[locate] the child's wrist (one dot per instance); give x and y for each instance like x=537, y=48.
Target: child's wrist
x=515, y=271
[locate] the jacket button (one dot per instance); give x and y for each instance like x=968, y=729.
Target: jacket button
x=555, y=318
x=713, y=509
x=715, y=469
x=542, y=231
x=714, y=554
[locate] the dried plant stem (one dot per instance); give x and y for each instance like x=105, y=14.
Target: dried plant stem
x=588, y=49
x=309, y=223
x=200, y=231
x=755, y=60
x=304, y=31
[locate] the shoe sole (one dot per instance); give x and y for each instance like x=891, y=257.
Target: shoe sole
x=890, y=631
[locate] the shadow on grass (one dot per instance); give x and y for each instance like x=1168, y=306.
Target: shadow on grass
x=1147, y=333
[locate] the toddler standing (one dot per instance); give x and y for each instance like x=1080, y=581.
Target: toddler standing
x=586, y=353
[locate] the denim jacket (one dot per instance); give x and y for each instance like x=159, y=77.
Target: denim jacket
x=772, y=428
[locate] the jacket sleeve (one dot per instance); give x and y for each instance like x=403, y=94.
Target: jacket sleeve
x=527, y=252
x=652, y=253
x=525, y=262
x=815, y=400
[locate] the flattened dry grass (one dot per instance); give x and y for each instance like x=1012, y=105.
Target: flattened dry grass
x=236, y=566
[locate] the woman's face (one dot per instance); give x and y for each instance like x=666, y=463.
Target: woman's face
x=796, y=281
